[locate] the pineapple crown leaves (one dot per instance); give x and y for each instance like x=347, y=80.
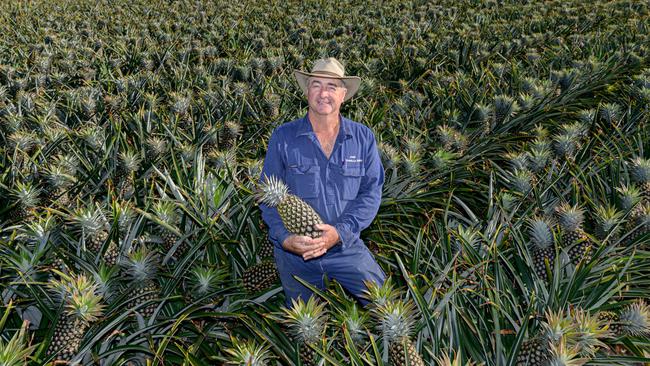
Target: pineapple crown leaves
x=204, y=280
x=395, y=319
x=129, y=161
x=123, y=214
x=570, y=217
x=26, y=194
x=557, y=326
x=89, y=219
x=538, y=158
x=353, y=320
x=522, y=180
x=79, y=295
x=629, y=196
x=141, y=265
x=589, y=330
x=635, y=319
x=517, y=160
x=381, y=294
x=563, y=355
x=540, y=232
x=248, y=353
x=441, y=159
x=38, y=231
x=16, y=350
x=166, y=211
x=607, y=217
x=306, y=320
x=640, y=169
x=446, y=360
x=59, y=177
x=272, y=191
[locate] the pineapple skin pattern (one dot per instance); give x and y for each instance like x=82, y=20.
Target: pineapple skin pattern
x=343, y=190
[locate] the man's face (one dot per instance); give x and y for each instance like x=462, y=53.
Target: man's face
x=324, y=95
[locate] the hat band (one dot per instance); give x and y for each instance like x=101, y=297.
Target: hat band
x=328, y=73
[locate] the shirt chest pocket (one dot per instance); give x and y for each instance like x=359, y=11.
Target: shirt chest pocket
x=348, y=179
x=303, y=179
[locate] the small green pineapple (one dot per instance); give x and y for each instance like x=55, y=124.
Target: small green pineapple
x=306, y=321
x=574, y=239
x=141, y=268
x=541, y=245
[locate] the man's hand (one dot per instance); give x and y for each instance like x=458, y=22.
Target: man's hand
x=310, y=248
x=329, y=237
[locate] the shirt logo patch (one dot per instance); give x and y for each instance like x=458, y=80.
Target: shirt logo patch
x=353, y=159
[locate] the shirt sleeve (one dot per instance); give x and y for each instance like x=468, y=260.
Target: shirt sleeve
x=360, y=212
x=274, y=166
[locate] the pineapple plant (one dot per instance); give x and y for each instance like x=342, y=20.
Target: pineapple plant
x=297, y=216
x=541, y=245
x=248, y=353
x=59, y=180
x=17, y=349
x=354, y=321
x=229, y=134
x=140, y=269
x=168, y=230
x=26, y=200
x=81, y=306
x=203, y=280
x=574, y=239
x=129, y=163
x=260, y=276
x=640, y=171
x=306, y=322
x=395, y=321
x=608, y=222
x=92, y=225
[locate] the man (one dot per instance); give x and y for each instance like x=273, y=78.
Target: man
x=333, y=164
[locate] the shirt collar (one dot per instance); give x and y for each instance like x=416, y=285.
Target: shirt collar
x=305, y=129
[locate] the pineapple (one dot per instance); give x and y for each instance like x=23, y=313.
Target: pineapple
x=640, y=169
x=211, y=139
x=26, y=200
x=82, y=306
x=608, y=219
x=59, y=180
x=354, y=321
x=533, y=352
x=266, y=248
x=298, y=217
x=634, y=319
x=638, y=224
x=612, y=320
x=92, y=225
x=129, y=163
x=166, y=212
x=141, y=267
x=306, y=323
x=395, y=320
x=573, y=236
x=260, y=276
x=541, y=245
x=229, y=134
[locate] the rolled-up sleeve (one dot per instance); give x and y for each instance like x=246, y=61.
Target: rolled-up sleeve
x=360, y=212
x=274, y=166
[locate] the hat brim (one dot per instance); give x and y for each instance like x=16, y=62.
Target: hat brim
x=351, y=82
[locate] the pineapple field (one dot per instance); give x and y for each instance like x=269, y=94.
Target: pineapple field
x=514, y=226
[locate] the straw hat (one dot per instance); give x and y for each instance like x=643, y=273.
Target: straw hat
x=329, y=68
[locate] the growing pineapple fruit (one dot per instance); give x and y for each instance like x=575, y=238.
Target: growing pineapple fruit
x=298, y=217
x=141, y=267
x=395, y=321
x=92, y=225
x=59, y=179
x=26, y=200
x=129, y=163
x=81, y=306
x=260, y=276
x=541, y=245
x=166, y=212
x=608, y=220
x=573, y=236
x=640, y=169
x=638, y=224
x=306, y=323
x=229, y=134
x=533, y=352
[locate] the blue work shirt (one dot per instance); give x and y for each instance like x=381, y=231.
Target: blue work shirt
x=344, y=189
